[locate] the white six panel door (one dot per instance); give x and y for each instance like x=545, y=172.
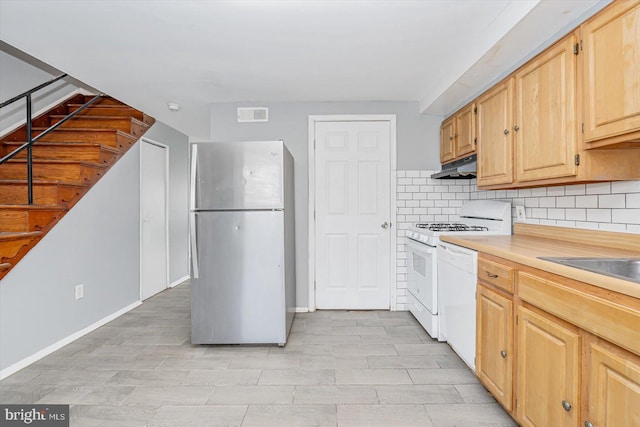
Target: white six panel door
x=353, y=234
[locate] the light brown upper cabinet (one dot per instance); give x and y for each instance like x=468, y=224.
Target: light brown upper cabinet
x=458, y=134
x=447, y=149
x=495, y=137
x=611, y=76
x=545, y=122
x=465, y=131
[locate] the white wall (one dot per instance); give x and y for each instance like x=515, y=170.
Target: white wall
x=178, y=197
x=97, y=244
x=417, y=148
x=19, y=73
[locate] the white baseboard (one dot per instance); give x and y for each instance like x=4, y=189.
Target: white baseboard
x=4, y=373
x=179, y=281
x=302, y=309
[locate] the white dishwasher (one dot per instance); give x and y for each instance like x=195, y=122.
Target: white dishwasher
x=457, y=277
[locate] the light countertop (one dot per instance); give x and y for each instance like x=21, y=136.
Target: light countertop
x=525, y=249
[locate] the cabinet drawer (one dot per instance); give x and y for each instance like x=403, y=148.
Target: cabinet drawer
x=497, y=274
x=602, y=317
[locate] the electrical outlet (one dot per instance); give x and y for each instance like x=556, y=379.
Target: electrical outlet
x=79, y=291
x=521, y=215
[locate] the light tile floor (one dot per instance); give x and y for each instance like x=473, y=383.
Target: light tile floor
x=345, y=368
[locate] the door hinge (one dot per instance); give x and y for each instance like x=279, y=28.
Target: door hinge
x=314, y=144
x=582, y=127
x=577, y=159
x=475, y=141
x=580, y=44
x=576, y=48
x=475, y=110
x=516, y=319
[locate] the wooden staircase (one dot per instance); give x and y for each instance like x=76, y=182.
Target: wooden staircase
x=66, y=164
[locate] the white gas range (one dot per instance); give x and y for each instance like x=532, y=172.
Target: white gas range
x=431, y=291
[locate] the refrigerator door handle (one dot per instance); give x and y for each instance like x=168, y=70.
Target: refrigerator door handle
x=193, y=231
x=194, y=165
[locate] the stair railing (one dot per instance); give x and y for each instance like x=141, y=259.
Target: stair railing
x=32, y=140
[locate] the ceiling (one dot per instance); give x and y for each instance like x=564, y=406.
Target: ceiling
x=195, y=53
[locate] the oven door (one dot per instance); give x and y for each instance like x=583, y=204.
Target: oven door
x=422, y=274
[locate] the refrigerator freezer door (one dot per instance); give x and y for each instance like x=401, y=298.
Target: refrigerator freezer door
x=238, y=297
x=237, y=176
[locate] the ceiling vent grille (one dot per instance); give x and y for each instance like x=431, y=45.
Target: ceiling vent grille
x=253, y=114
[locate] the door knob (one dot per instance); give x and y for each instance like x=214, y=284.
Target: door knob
x=385, y=225
x=503, y=354
x=506, y=131
x=566, y=405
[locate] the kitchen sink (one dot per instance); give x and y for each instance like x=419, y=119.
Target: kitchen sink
x=622, y=268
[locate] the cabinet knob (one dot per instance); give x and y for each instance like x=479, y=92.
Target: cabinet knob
x=516, y=128
x=503, y=354
x=566, y=405
x=588, y=424
x=450, y=138
x=506, y=131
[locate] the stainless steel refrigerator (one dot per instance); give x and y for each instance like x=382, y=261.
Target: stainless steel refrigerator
x=242, y=243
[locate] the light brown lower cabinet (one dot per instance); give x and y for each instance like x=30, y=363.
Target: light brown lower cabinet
x=494, y=353
x=548, y=371
x=543, y=368
x=613, y=377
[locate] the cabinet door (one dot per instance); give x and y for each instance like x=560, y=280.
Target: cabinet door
x=465, y=134
x=545, y=126
x=494, y=349
x=614, y=386
x=495, y=138
x=611, y=66
x=548, y=371
x=446, y=140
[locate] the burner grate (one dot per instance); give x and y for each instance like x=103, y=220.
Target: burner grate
x=448, y=226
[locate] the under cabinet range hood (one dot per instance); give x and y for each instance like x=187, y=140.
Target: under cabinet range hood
x=464, y=168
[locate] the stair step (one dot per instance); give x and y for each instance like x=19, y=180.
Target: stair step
x=45, y=192
x=62, y=170
x=110, y=137
x=83, y=151
x=126, y=124
x=12, y=243
x=112, y=110
x=104, y=100
x=23, y=218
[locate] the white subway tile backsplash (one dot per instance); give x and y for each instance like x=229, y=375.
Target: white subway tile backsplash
x=576, y=214
x=531, y=202
x=547, y=202
x=606, y=206
x=629, y=216
x=625, y=187
x=566, y=202
x=587, y=202
x=556, y=213
x=539, y=192
x=633, y=200
x=555, y=191
x=612, y=201
x=599, y=188
x=575, y=190
x=607, y=226
x=599, y=215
